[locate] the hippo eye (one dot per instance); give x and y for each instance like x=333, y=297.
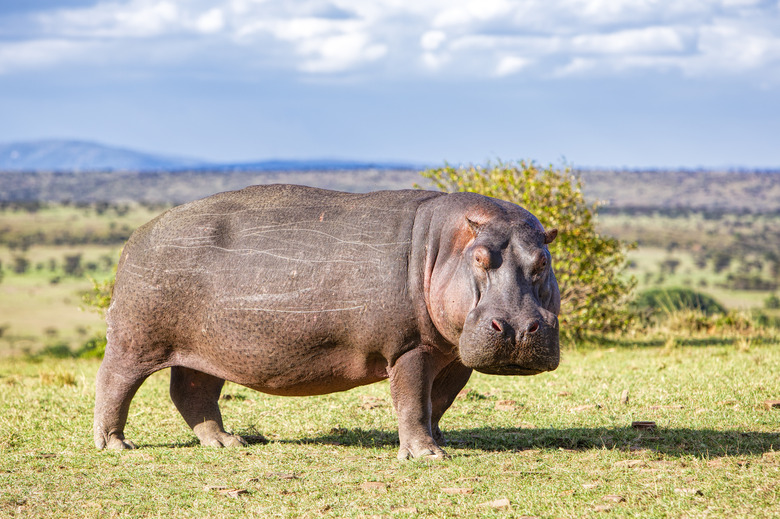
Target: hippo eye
x=482, y=257
x=540, y=265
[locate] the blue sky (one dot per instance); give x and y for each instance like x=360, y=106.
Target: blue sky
x=599, y=83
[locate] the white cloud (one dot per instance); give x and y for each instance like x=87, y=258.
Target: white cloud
x=339, y=53
x=211, y=21
x=432, y=40
x=470, y=11
x=632, y=41
x=15, y=56
x=511, y=65
x=135, y=19
x=486, y=38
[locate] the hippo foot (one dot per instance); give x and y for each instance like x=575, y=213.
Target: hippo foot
x=223, y=439
x=114, y=442
x=422, y=450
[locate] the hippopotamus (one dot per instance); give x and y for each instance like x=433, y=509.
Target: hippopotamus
x=292, y=290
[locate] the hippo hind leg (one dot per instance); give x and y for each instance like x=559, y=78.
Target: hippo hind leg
x=117, y=383
x=196, y=396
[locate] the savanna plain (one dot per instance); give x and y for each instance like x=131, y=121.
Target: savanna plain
x=560, y=444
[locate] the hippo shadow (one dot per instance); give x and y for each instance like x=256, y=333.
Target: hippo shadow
x=702, y=443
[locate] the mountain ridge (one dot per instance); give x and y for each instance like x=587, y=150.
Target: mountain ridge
x=68, y=155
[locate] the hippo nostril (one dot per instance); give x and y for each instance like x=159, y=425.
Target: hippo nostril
x=533, y=327
x=496, y=326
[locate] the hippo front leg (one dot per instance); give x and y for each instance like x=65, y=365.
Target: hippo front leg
x=411, y=380
x=446, y=387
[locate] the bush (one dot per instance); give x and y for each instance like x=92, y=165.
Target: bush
x=99, y=297
x=772, y=302
x=653, y=302
x=587, y=265
x=747, y=282
x=93, y=348
x=72, y=266
x=21, y=264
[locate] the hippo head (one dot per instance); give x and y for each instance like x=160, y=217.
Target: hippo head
x=491, y=287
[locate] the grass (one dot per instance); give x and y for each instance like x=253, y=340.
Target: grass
x=556, y=445
x=34, y=313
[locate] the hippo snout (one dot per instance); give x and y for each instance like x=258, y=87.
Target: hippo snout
x=501, y=346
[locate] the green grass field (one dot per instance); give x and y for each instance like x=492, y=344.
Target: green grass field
x=36, y=313
x=555, y=445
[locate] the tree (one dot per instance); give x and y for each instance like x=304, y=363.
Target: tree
x=21, y=264
x=73, y=266
x=588, y=266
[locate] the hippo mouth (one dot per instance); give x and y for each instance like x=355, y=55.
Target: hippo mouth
x=510, y=369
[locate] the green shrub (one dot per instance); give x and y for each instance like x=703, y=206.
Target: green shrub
x=93, y=348
x=99, y=297
x=772, y=302
x=654, y=302
x=587, y=264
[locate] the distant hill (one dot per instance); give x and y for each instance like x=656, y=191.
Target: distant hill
x=87, y=172
x=80, y=156
x=68, y=155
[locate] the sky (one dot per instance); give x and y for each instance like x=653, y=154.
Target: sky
x=588, y=83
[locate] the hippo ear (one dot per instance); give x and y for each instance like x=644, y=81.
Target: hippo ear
x=550, y=235
x=476, y=219
x=473, y=225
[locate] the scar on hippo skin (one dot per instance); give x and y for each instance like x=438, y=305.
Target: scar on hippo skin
x=420, y=287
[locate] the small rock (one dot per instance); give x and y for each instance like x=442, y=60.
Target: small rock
x=374, y=485
x=497, y=504
x=772, y=404
x=630, y=464
x=371, y=402
x=230, y=492
x=458, y=490
x=505, y=405
x=586, y=407
x=564, y=393
x=624, y=397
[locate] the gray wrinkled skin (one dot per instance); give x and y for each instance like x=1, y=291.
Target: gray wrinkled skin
x=296, y=291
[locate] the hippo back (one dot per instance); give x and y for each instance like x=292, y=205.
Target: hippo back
x=259, y=271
